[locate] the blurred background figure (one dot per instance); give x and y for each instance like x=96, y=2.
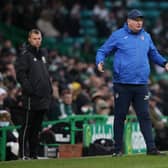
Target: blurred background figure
x=12, y=145
x=157, y=117
x=81, y=101
x=3, y=95
x=44, y=23
x=65, y=108
x=99, y=104
x=14, y=104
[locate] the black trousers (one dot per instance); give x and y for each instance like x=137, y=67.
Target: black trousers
x=138, y=95
x=29, y=133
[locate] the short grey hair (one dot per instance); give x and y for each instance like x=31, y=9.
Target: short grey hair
x=34, y=31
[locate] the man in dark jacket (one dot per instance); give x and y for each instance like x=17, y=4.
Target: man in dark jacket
x=33, y=76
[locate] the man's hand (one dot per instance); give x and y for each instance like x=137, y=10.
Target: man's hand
x=100, y=67
x=166, y=66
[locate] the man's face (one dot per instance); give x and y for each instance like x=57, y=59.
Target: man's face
x=67, y=98
x=135, y=24
x=35, y=40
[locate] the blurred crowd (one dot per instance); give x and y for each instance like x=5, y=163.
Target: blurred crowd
x=64, y=18
x=75, y=83
x=77, y=87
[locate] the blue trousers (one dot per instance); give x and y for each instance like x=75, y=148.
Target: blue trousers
x=138, y=96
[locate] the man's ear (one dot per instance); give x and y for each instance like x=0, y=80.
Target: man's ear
x=28, y=39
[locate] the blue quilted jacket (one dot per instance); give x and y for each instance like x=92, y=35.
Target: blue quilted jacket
x=132, y=54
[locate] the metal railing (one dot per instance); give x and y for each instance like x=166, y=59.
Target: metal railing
x=72, y=120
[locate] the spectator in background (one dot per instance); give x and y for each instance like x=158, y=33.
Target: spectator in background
x=10, y=72
x=156, y=115
x=99, y=11
x=60, y=16
x=81, y=106
x=61, y=106
x=44, y=23
x=81, y=102
x=65, y=103
x=32, y=73
x=102, y=108
x=109, y=98
x=8, y=48
x=100, y=15
x=12, y=145
x=111, y=22
x=8, y=56
x=74, y=20
x=87, y=49
x=163, y=84
x=7, y=14
x=100, y=105
x=53, y=112
x=13, y=103
x=159, y=121
x=3, y=95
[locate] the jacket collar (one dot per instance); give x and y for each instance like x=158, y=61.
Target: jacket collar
x=32, y=49
x=36, y=52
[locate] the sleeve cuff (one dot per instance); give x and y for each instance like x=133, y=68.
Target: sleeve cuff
x=164, y=63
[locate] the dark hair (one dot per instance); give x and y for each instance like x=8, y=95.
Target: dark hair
x=35, y=31
x=63, y=89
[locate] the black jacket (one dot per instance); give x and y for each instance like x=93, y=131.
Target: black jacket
x=32, y=74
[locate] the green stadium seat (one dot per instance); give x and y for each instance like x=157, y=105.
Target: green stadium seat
x=87, y=23
x=79, y=40
x=68, y=40
x=134, y=4
x=91, y=32
x=149, y=5
x=151, y=13
x=163, y=5
x=50, y=42
x=86, y=13
x=108, y=4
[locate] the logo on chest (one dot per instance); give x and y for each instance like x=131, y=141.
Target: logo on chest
x=43, y=59
x=142, y=37
x=34, y=59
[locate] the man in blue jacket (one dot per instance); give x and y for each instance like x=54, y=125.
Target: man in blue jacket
x=133, y=49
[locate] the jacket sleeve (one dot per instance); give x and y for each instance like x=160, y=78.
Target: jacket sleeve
x=155, y=56
x=106, y=48
x=22, y=68
x=45, y=53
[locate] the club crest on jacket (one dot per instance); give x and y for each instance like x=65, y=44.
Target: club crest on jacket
x=43, y=59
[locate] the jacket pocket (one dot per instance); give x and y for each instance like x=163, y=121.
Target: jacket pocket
x=37, y=88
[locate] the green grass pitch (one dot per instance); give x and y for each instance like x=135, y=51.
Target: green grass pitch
x=131, y=161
